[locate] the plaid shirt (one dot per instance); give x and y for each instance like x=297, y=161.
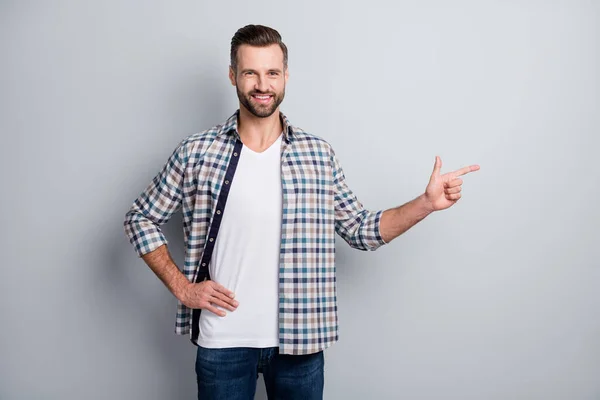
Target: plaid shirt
x=317, y=203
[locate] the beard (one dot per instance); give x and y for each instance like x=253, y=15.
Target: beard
x=257, y=109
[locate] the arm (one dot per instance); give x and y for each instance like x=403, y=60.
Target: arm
x=153, y=208
x=203, y=295
x=442, y=192
x=356, y=225
x=157, y=204
x=161, y=263
x=396, y=221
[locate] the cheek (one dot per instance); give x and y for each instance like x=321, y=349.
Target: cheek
x=246, y=85
x=242, y=85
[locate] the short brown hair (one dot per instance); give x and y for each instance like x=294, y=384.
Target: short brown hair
x=259, y=36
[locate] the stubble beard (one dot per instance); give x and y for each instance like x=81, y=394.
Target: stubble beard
x=260, y=110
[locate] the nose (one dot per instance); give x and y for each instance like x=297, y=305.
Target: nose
x=262, y=84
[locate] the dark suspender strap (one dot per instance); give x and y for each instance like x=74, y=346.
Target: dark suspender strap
x=203, y=272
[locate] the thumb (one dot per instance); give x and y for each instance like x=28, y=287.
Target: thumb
x=438, y=166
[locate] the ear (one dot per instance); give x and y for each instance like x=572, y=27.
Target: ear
x=231, y=76
x=286, y=74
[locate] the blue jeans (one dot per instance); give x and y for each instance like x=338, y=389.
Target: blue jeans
x=231, y=374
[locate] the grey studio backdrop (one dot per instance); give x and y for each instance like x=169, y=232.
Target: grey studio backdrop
x=496, y=298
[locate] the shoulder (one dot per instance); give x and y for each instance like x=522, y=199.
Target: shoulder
x=201, y=138
x=196, y=144
x=307, y=140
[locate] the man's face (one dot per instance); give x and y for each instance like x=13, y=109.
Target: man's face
x=260, y=79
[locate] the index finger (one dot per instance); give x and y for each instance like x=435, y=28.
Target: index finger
x=466, y=170
x=223, y=290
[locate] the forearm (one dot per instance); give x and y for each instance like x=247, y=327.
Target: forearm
x=161, y=263
x=395, y=221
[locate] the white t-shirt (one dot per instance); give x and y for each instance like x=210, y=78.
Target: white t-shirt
x=245, y=258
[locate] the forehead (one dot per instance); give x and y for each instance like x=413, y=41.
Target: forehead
x=260, y=57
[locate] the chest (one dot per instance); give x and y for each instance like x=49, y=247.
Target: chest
x=301, y=176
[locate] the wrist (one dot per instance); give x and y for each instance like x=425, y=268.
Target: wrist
x=425, y=204
x=180, y=291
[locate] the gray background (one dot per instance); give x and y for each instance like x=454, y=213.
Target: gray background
x=496, y=298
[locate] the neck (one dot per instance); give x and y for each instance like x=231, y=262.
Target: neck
x=259, y=132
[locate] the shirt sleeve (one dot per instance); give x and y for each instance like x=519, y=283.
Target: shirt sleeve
x=358, y=226
x=156, y=204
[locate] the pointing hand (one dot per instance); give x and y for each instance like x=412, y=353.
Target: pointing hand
x=443, y=191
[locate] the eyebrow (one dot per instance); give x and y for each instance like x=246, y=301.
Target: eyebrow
x=270, y=70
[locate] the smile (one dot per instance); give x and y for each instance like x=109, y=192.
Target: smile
x=262, y=98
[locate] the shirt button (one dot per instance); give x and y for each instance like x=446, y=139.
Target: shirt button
x=204, y=264
x=235, y=154
x=211, y=239
x=227, y=182
x=219, y=212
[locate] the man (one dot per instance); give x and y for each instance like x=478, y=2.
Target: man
x=261, y=202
